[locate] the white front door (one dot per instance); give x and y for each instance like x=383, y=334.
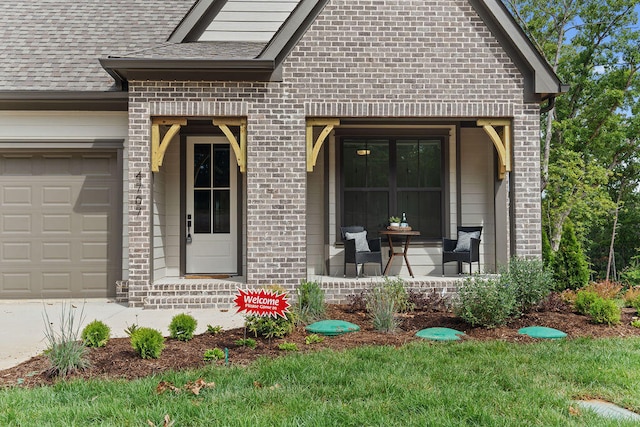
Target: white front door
x=211, y=206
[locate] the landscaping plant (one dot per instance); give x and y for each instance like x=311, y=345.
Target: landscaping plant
x=529, y=280
x=310, y=305
x=313, y=339
x=584, y=299
x=96, y=334
x=288, y=346
x=246, y=342
x=182, y=327
x=214, y=330
x=604, y=311
x=213, y=354
x=269, y=327
x=65, y=352
x=147, y=342
x=485, y=302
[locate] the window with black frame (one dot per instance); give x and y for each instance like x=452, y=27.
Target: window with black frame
x=382, y=177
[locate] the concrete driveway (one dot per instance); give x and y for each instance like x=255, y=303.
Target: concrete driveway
x=22, y=322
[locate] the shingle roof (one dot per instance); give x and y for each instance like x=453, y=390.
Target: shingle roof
x=198, y=50
x=55, y=45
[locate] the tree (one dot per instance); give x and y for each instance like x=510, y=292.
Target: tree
x=590, y=135
x=570, y=268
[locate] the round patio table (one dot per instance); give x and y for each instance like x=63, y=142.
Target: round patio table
x=392, y=253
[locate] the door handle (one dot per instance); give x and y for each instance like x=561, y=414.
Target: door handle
x=189, y=239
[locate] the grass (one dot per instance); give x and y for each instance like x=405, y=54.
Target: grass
x=435, y=384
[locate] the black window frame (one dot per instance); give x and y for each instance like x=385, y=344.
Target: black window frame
x=393, y=138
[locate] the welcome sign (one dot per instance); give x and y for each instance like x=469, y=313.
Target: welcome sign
x=262, y=303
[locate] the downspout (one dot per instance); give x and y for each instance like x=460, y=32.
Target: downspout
x=550, y=104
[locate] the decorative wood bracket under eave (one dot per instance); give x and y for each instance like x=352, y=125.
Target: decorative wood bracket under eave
x=502, y=144
x=239, y=148
x=158, y=148
x=313, y=149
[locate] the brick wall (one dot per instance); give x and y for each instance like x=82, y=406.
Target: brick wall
x=399, y=58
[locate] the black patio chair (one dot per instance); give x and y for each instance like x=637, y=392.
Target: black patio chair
x=466, y=248
x=358, y=249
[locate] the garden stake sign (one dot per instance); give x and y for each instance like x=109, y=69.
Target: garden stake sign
x=263, y=303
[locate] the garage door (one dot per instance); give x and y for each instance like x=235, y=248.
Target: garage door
x=59, y=219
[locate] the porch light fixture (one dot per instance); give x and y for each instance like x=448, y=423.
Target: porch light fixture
x=363, y=152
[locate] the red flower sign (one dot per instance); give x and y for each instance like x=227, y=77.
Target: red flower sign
x=262, y=303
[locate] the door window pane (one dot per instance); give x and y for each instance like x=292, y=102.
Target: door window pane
x=221, y=211
x=221, y=166
x=202, y=165
x=202, y=211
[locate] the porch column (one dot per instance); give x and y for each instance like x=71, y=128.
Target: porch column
x=276, y=196
x=140, y=183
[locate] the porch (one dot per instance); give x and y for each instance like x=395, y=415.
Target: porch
x=185, y=294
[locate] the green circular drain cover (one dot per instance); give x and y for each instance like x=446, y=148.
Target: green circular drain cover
x=542, y=332
x=439, y=334
x=332, y=327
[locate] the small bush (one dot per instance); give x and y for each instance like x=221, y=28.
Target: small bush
x=635, y=323
x=631, y=295
x=530, y=281
x=310, y=305
x=605, y=289
x=313, y=339
x=395, y=290
x=583, y=301
x=214, y=330
x=569, y=264
x=182, y=327
x=357, y=302
x=288, y=346
x=129, y=330
x=147, y=342
x=246, y=342
x=484, y=301
x=213, y=354
x=96, y=334
x=65, y=353
x=604, y=311
x=269, y=327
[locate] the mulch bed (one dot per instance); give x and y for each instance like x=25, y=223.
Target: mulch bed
x=118, y=360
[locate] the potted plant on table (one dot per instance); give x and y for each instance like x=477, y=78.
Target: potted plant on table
x=394, y=221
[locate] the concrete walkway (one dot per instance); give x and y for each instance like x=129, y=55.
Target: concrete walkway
x=22, y=322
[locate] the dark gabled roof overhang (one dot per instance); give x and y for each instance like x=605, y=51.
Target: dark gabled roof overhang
x=125, y=69
x=540, y=81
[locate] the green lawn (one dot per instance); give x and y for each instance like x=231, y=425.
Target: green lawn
x=434, y=384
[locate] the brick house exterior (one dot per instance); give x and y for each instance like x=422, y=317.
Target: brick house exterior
x=393, y=64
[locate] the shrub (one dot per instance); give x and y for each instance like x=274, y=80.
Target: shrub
x=96, y=334
x=631, y=295
x=604, y=311
x=605, y=289
x=635, y=323
x=269, y=327
x=129, y=330
x=484, y=301
x=583, y=301
x=214, y=330
x=395, y=290
x=631, y=273
x=569, y=264
x=246, y=342
x=64, y=351
x=213, y=354
x=288, y=346
x=530, y=281
x=182, y=327
x=313, y=339
x=147, y=342
x=310, y=306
